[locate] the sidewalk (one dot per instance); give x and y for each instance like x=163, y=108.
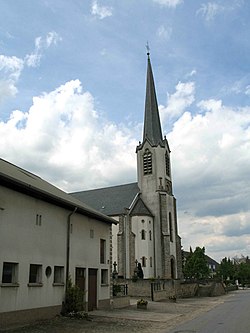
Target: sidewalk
x=159, y=317
x=164, y=311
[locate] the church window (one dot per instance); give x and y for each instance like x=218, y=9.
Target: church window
x=147, y=162
x=167, y=161
x=143, y=261
x=143, y=234
x=170, y=227
x=150, y=235
x=142, y=221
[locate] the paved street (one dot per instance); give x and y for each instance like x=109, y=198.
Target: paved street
x=232, y=316
x=225, y=314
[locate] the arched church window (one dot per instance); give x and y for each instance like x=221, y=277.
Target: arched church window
x=147, y=162
x=143, y=261
x=143, y=234
x=167, y=161
x=170, y=227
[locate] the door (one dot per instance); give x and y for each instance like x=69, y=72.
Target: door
x=92, y=289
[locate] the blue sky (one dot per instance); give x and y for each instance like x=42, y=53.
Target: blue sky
x=72, y=91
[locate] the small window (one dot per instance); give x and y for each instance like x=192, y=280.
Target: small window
x=10, y=271
x=167, y=160
x=58, y=274
x=143, y=261
x=91, y=233
x=48, y=271
x=102, y=251
x=150, y=235
x=147, y=162
x=104, y=276
x=151, y=261
x=142, y=221
x=35, y=275
x=143, y=234
x=38, y=220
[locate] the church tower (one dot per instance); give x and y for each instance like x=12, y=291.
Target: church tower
x=155, y=184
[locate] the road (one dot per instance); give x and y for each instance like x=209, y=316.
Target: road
x=232, y=316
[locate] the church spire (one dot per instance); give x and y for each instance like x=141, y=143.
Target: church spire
x=152, y=124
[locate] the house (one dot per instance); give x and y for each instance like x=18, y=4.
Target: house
x=147, y=229
x=211, y=263
x=47, y=237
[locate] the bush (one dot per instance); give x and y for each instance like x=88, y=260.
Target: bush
x=74, y=299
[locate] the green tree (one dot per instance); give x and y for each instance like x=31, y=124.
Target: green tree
x=243, y=273
x=196, y=265
x=227, y=269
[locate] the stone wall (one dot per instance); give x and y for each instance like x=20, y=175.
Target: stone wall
x=163, y=289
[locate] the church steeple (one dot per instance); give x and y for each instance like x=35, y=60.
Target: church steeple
x=152, y=125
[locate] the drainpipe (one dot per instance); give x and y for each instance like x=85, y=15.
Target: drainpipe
x=68, y=246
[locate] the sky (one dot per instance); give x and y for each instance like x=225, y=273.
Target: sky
x=72, y=94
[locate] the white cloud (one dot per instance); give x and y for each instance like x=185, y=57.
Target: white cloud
x=210, y=163
x=164, y=33
x=169, y=3
x=100, y=11
x=247, y=90
x=12, y=67
x=63, y=139
x=178, y=101
x=210, y=10
x=10, y=70
x=41, y=44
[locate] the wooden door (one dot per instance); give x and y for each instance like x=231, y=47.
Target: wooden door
x=92, y=289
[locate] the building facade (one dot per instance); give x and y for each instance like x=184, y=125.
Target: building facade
x=45, y=238
x=147, y=229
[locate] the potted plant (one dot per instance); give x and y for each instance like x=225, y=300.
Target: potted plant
x=172, y=298
x=142, y=304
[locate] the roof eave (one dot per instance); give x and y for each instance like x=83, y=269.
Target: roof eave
x=32, y=191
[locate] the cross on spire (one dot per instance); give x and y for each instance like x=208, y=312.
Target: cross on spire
x=148, y=49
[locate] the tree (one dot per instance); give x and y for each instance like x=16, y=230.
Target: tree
x=196, y=265
x=227, y=269
x=243, y=273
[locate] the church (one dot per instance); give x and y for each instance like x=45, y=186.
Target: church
x=146, y=234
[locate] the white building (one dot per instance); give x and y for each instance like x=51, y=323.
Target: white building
x=147, y=232
x=45, y=236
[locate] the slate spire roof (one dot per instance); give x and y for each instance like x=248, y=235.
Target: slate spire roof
x=152, y=125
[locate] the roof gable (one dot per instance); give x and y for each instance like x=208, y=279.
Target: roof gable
x=140, y=209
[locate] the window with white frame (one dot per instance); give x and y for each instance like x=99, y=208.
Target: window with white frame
x=10, y=272
x=59, y=274
x=35, y=274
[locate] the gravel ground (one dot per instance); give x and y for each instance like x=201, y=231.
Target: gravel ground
x=96, y=325
x=160, y=316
